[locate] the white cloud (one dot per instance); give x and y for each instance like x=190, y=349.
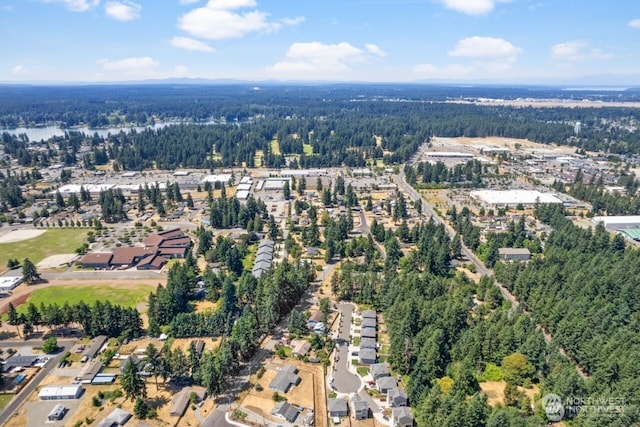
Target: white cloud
x=190, y=44
x=122, y=10
x=484, y=47
x=180, y=71
x=20, y=70
x=218, y=20
x=141, y=65
x=318, y=60
x=472, y=7
x=574, y=51
x=485, y=57
x=76, y=5
x=634, y=23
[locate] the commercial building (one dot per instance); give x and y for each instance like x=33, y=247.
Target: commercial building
x=220, y=178
x=60, y=392
x=513, y=198
x=514, y=254
x=618, y=222
x=299, y=173
x=97, y=260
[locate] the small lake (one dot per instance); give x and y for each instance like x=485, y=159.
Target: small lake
x=47, y=132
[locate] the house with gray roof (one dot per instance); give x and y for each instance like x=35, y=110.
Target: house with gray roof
x=385, y=384
x=367, y=333
x=117, y=417
x=286, y=377
x=369, y=314
x=402, y=417
x=368, y=323
x=338, y=407
x=368, y=343
x=379, y=370
x=360, y=407
x=286, y=411
x=367, y=356
x=396, y=397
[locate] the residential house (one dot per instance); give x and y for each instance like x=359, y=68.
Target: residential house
x=368, y=323
x=367, y=333
x=360, y=407
x=402, y=417
x=367, y=356
x=338, y=407
x=285, y=411
x=385, y=384
x=369, y=314
x=396, y=397
x=286, y=377
x=379, y=370
x=368, y=343
x=514, y=254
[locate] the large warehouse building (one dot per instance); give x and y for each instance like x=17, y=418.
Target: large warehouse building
x=626, y=221
x=512, y=198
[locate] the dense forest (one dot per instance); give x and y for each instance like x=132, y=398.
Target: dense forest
x=322, y=126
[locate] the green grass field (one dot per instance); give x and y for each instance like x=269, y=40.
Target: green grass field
x=247, y=262
x=124, y=296
x=52, y=242
x=5, y=399
x=275, y=147
x=307, y=149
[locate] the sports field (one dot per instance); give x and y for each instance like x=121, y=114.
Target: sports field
x=52, y=242
x=126, y=296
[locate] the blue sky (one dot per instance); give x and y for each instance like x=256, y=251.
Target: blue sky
x=510, y=41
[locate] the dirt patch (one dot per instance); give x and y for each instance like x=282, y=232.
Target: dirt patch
x=202, y=306
x=494, y=391
x=55, y=261
x=20, y=235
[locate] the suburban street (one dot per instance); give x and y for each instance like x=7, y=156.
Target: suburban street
x=344, y=380
x=35, y=381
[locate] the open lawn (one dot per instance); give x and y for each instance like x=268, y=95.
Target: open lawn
x=307, y=149
x=124, y=296
x=275, y=147
x=247, y=262
x=5, y=399
x=55, y=241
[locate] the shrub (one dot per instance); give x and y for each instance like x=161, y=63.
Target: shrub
x=258, y=387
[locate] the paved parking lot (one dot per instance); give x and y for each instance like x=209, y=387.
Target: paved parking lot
x=37, y=412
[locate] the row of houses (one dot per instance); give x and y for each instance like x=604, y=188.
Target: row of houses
x=339, y=408
x=368, y=332
x=264, y=257
x=157, y=250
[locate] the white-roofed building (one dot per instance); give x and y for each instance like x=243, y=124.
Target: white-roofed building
x=243, y=187
x=512, y=198
x=242, y=194
x=224, y=178
x=299, y=173
x=8, y=283
x=623, y=221
x=60, y=392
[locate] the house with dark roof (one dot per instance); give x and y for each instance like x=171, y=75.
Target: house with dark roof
x=402, y=417
x=396, y=397
x=385, y=384
x=128, y=256
x=131, y=358
x=152, y=262
x=94, y=346
x=198, y=346
x=286, y=377
x=315, y=317
x=285, y=411
x=379, y=370
x=90, y=370
x=338, y=407
x=18, y=361
x=367, y=356
x=360, y=407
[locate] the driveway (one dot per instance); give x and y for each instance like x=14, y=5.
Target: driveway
x=344, y=380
